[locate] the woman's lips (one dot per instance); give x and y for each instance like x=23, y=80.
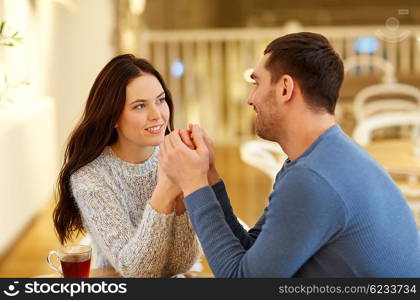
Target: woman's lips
x=155, y=129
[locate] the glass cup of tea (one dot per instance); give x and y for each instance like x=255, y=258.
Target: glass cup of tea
x=74, y=261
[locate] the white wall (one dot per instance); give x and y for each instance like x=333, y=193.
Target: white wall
x=83, y=42
x=65, y=45
x=28, y=153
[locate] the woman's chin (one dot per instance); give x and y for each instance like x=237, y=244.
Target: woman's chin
x=151, y=140
x=156, y=141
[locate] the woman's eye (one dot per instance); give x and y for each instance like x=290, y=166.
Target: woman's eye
x=139, y=106
x=161, y=100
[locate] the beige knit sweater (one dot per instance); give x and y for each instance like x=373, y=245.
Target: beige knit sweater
x=127, y=233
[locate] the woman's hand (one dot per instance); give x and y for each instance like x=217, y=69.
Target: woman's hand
x=179, y=205
x=165, y=194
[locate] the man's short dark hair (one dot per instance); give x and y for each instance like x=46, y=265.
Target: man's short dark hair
x=310, y=59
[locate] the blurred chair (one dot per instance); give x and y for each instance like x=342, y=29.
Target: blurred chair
x=263, y=155
x=380, y=98
x=366, y=60
x=363, y=134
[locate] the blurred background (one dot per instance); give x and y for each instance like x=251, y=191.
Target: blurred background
x=52, y=50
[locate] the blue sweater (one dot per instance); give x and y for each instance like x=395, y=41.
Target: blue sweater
x=333, y=212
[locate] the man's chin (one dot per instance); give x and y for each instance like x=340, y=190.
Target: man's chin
x=259, y=130
x=260, y=133
x=264, y=135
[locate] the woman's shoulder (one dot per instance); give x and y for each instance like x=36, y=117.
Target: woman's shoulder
x=93, y=171
x=95, y=183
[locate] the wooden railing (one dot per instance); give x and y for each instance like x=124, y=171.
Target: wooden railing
x=212, y=90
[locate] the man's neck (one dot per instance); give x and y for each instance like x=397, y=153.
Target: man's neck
x=303, y=131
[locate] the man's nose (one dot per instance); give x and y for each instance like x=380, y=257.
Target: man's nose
x=250, y=100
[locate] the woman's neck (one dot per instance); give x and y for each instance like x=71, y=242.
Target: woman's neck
x=132, y=153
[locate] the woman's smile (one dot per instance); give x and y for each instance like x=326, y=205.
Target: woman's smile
x=155, y=129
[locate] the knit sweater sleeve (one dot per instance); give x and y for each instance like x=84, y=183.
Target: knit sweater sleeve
x=185, y=248
x=133, y=252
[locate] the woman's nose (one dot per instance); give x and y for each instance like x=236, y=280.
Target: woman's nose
x=154, y=112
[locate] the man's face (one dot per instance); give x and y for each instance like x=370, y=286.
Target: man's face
x=263, y=100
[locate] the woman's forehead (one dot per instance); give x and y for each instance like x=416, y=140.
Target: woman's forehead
x=146, y=87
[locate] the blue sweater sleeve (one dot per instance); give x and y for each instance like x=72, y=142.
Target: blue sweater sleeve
x=304, y=212
x=246, y=238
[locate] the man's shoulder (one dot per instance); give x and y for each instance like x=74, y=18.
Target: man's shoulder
x=303, y=189
x=301, y=178
x=338, y=156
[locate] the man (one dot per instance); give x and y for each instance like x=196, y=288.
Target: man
x=333, y=212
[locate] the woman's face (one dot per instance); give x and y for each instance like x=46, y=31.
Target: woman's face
x=145, y=115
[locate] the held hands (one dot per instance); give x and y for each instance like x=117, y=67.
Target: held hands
x=186, y=136
x=168, y=194
x=186, y=164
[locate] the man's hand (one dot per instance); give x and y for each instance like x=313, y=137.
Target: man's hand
x=186, y=136
x=186, y=167
x=212, y=175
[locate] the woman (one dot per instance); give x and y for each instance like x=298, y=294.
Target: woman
x=109, y=184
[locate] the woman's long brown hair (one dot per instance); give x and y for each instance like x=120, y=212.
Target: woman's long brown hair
x=95, y=131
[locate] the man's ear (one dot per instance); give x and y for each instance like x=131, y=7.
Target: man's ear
x=284, y=88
